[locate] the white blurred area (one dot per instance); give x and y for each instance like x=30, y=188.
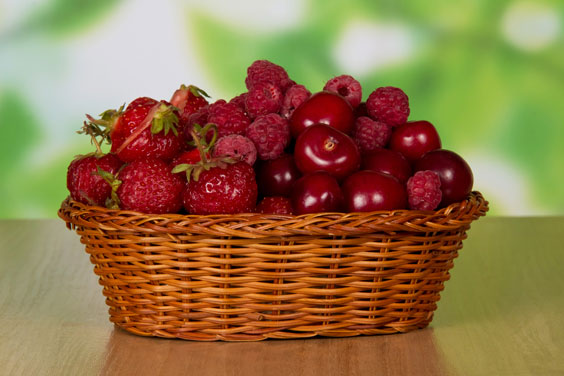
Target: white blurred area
x=366, y=46
x=531, y=26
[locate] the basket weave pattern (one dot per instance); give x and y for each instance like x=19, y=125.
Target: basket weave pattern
x=255, y=276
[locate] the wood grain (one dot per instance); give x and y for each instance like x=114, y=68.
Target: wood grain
x=500, y=314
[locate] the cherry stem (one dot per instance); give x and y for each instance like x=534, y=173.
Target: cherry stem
x=330, y=144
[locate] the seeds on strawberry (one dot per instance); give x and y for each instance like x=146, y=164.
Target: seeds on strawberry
x=85, y=183
x=188, y=100
x=149, y=186
x=147, y=128
x=228, y=190
x=275, y=205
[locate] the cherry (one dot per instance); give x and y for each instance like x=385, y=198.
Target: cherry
x=388, y=162
x=275, y=177
x=315, y=193
x=322, y=148
x=323, y=108
x=366, y=191
x=415, y=138
x=455, y=174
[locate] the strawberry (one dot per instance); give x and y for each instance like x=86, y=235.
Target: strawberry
x=148, y=186
x=147, y=128
x=86, y=175
x=84, y=179
x=230, y=189
x=188, y=100
x=219, y=185
x=275, y=205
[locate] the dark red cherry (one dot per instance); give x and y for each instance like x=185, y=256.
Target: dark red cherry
x=388, y=162
x=455, y=174
x=415, y=138
x=275, y=177
x=316, y=193
x=366, y=191
x=323, y=108
x=322, y=148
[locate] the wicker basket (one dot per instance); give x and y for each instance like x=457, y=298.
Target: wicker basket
x=253, y=276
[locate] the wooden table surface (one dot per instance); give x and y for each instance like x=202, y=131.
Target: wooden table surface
x=502, y=313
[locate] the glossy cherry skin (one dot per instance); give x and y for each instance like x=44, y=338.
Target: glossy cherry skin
x=455, y=174
x=322, y=148
x=323, y=108
x=388, y=162
x=366, y=191
x=276, y=177
x=316, y=193
x=415, y=138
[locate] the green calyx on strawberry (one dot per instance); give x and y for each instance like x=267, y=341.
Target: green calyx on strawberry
x=189, y=99
x=205, y=163
x=112, y=202
x=146, y=128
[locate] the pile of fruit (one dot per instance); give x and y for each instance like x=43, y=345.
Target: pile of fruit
x=275, y=149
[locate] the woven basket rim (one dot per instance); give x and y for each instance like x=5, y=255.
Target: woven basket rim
x=260, y=225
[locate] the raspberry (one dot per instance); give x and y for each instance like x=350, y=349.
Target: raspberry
x=424, y=190
x=264, y=98
x=275, y=205
x=371, y=134
x=346, y=86
x=266, y=71
x=270, y=134
x=229, y=118
x=239, y=100
x=294, y=96
x=389, y=105
x=236, y=146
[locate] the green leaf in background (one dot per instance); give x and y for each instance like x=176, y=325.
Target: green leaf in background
x=19, y=133
x=67, y=17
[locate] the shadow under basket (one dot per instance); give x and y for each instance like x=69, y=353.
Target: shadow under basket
x=250, y=277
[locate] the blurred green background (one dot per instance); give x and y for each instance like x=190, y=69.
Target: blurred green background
x=488, y=74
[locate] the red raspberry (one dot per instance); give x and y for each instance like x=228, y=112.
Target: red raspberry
x=266, y=71
x=239, y=100
x=149, y=186
x=264, y=98
x=199, y=117
x=389, y=105
x=270, y=134
x=424, y=190
x=370, y=134
x=294, y=96
x=228, y=190
x=275, y=205
x=346, y=86
x=85, y=184
x=237, y=147
x=229, y=118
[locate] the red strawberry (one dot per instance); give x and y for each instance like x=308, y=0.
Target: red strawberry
x=148, y=186
x=228, y=190
x=188, y=100
x=275, y=205
x=85, y=182
x=147, y=128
